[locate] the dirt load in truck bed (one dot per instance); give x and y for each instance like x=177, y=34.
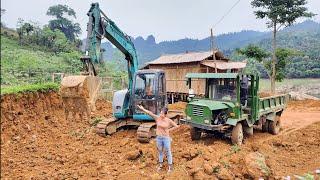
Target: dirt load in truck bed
x=38, y=142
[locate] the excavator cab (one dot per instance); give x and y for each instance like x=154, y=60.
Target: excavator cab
x=148, y=90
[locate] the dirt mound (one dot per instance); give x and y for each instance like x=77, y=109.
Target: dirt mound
x=37, y=141
x=304, y=105
x=36, y=138
x=103, y=109
x=177, y=106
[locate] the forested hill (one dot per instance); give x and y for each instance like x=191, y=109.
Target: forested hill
x=304, y=36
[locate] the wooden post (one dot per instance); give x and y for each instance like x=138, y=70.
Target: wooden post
x=172, y=99
x=215, y=67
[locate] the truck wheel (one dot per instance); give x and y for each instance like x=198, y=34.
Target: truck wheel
x=274, y=126
x=237, y=134
x=195, y=133
x=265, y=126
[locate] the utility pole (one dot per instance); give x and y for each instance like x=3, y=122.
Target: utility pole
x=212, y=44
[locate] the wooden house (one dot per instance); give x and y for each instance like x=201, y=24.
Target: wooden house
x=176, y=66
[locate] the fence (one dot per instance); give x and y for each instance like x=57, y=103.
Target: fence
x=111, y=85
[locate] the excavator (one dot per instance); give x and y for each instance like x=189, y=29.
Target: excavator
x=145, y=87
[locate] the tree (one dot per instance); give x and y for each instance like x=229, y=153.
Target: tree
x=24, y=28
x=3, y=11
x=264, y=57
x=279, y=13
x=65, y=25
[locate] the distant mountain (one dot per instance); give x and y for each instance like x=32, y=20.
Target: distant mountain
x=148, y=49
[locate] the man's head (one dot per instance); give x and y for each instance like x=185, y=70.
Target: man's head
x=164, y=112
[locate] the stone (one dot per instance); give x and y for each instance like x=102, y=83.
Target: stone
x=224, y=174
x=255, y=165
x=208, y=169
x=133, y=155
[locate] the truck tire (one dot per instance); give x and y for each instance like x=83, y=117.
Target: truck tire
x=195, y=133
x=237, y=134
x=274, y=126
x=265, y=126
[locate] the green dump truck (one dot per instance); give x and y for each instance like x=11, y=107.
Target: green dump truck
x=231, y=106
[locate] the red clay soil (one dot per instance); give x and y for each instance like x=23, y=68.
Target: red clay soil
x=38, y=142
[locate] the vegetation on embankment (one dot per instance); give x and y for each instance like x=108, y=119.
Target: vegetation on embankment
x=29, y=64
x=41, y=87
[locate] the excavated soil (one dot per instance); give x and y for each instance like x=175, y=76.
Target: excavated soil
x=37, y=141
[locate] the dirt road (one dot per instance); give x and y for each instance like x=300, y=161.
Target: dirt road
x=38, y=142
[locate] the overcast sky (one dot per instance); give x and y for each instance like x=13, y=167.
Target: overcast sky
x=165, y=19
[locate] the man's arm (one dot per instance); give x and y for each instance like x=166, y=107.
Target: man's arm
x=154, y=116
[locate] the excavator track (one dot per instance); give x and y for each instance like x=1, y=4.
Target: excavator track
x=146, y=131
x=111, y=125
x=102, y=126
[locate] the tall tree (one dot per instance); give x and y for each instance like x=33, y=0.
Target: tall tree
x=3, y=11
x=23, y=28
x=280, y=13
x=61, y=21
x=264, y=57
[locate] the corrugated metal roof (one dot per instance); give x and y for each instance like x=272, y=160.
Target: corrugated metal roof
x=212, y=75
x=224, y=65
x=186, y=57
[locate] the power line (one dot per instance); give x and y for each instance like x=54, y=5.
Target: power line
x=222, y=17
x=234, y=5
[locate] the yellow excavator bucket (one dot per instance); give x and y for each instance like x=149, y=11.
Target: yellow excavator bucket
x=79, y=94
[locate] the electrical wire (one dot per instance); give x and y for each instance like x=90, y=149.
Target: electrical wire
x=222, y=17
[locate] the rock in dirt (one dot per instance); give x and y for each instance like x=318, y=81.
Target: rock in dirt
x=189, y=155
x=224, y=174
x=194, y=165
x=155, y=176
x=133, y=155
x=207, y=168
x=256, y=165
x=200, y=175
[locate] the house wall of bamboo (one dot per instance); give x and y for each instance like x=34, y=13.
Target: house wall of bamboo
x=176, y=77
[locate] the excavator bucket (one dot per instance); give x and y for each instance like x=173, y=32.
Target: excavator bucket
x=79, y=94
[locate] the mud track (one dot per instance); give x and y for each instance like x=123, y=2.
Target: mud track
x=38, y=142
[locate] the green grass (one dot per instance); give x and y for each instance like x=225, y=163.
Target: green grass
x=17, y=62
x=265, y=83
x=29, y=88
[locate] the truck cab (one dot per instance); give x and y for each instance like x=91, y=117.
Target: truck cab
x=229, y=98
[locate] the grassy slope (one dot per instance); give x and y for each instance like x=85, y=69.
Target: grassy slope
x=29, y=88
x=22, y=59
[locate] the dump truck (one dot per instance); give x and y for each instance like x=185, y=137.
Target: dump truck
x=232, y=107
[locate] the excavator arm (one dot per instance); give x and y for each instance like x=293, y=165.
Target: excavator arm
x=79, y=92
x=99, y=27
